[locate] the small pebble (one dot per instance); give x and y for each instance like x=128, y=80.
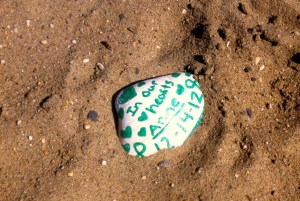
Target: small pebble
x=244, y=113
x=2, y=61
x=253, y=79
x=247, y=69
x=257, y=59
x=103, y=162
x=44, y=42
x=70, y=174
x=84, y=149
x=121, y=16
x=30, y=137
x=262, y=67
x=93, y=115
x=100, y=66
x=106, y=45
x=172, y=185
x=198, y=170
x=43, y=141
x=184, y=11
x=143, y=178
x=87, y=126
x=269, y=105
x=137, y=71
x=51, y=25
x=74, y=41
x=249, y=112
x=163, y=163
x=86, y=60
x=28, y=22
x=19, y=122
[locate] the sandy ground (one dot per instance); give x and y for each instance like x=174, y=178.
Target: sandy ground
x=245, y=55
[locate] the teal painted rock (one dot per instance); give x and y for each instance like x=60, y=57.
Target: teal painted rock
x=159, y=113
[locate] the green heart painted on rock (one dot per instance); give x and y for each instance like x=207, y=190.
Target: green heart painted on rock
x=180, y=89
x=142, y=132
x=143, y=117
x=126, y=147
x=127, y=133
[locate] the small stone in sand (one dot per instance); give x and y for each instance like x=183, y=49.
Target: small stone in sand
x=100, y=66
x=243, y=112
x=121, y=16
x=163, y=163
x=2, y=61
x=93, y=115
x=143, y=178
x=86, y=60
x=70, y=174
x=87, y=126
x=257, y=59
x=18, y=122
x=44, y=42
x=103, y=162
x=198, y=170
x=262, y=67
x=30, y=137
x=253, y=79
x=247, y=69
x=249, y=112
x=84, y=149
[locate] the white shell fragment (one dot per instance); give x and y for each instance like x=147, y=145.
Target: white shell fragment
x=159, y=113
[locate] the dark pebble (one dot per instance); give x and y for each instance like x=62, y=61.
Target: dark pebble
x=137, y=71
x=106, y=45
x=93, y=115
x=249, y=112
x=163, y=163
x=247, y=69
x=243, y=112
x=121, y=16
x=253, y=79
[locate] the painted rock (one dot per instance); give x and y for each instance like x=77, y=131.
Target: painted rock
x=159, y=113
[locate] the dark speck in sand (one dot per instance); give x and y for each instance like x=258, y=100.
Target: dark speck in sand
x=93, y=115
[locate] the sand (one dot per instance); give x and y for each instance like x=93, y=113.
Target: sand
x=62, y=59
